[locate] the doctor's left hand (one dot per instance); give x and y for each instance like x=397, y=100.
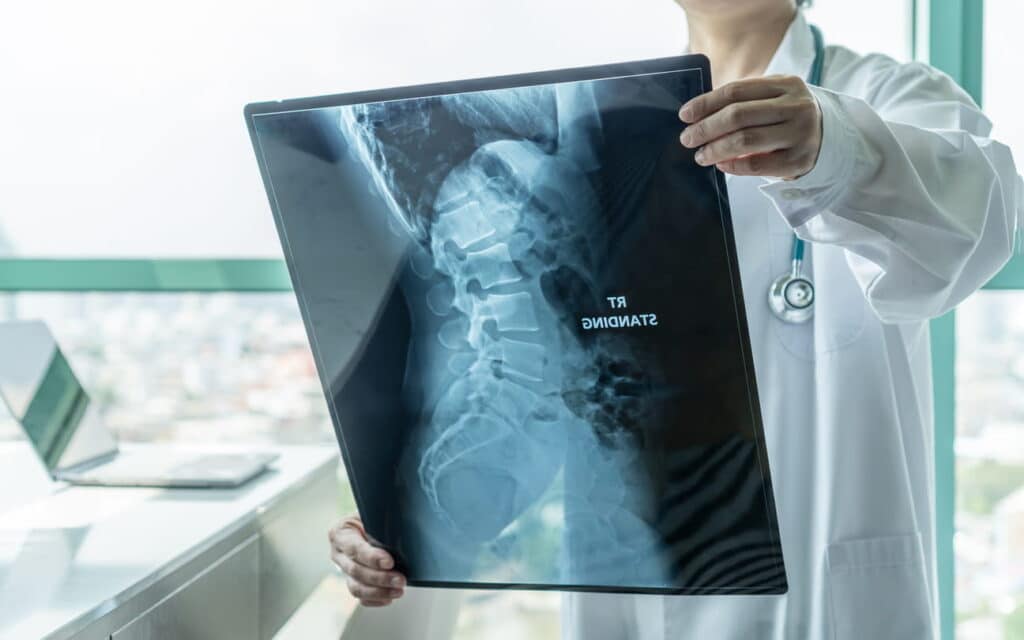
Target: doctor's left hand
x=768, y=126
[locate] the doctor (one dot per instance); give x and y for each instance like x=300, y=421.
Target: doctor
x=887, y=173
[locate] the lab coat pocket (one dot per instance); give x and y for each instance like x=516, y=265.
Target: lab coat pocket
x=878, y=590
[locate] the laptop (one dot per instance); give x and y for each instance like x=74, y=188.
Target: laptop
x=525, y=307
x=45, y=397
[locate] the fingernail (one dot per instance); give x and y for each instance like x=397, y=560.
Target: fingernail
x=384, y=563
x=686, y=113
x=699, y=157
x=687, y=138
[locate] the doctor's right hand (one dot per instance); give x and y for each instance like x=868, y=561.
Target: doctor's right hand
x=368, y=568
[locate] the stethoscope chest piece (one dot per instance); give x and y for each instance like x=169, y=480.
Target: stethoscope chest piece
x=791, y=298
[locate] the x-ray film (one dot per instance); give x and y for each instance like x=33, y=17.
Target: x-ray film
x=523, y=300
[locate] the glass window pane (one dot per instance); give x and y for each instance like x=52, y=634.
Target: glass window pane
x=123, y=132
x=866, y=26
x=989, y=541
x=188, y=367
x=1002, y=90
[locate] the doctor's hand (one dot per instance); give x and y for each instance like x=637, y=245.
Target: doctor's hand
x=769, y=126
x=368, y=568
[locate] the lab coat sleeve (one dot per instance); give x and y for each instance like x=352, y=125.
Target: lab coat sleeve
x=909, y=184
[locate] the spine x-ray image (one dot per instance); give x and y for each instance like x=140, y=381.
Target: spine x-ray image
x=524, y=305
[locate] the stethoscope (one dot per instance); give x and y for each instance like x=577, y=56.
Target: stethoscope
x=791, y=296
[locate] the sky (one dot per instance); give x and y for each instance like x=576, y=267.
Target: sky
x=122, y=124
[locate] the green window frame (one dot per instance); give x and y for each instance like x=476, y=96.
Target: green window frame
x=147, y=276
x=955, y=44
x=948, y=33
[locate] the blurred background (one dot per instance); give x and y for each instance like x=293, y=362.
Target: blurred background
x=133, y=220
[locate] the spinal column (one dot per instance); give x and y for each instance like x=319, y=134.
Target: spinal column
x=505, y=219
x=512, y=222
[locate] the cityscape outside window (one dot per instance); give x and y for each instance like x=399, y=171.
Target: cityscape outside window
x=989, y=539
x=232, y=368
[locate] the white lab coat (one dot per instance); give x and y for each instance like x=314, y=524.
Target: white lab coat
x=910, y=208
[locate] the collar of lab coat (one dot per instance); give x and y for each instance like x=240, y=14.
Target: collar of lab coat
x=795, y=54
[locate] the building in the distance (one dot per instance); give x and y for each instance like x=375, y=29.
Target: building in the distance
x=1008, y=542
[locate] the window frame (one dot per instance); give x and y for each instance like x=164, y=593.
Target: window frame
x=954, y=44
x=145, y=276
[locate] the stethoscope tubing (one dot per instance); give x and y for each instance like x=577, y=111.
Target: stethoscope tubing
x=800, y=308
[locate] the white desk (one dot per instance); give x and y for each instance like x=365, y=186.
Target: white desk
x=87, y=562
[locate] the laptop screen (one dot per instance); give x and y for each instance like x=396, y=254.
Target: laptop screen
x=524, y=303
x=40, y=389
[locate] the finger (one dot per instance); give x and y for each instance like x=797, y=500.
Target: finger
x=777, y=164
x=352, y=542
x=740, y=91
x=734, y=117
x=366, y=592
x=367, y=576
x=745, y=142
